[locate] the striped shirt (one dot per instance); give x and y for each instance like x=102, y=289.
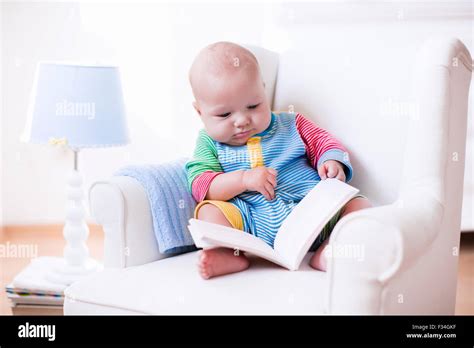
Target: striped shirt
x=292, y=145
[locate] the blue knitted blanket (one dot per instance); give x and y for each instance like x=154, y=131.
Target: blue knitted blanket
x=171, y=204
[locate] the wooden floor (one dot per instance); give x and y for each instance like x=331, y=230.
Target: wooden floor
x=50, y=242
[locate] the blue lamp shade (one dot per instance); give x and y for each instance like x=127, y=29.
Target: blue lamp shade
x=78, y=105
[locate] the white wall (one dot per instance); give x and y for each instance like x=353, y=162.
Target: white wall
x=155, y=44
x=369, y=50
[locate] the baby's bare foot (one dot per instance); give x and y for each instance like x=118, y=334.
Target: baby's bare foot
x=220, y=261
x=319, y=259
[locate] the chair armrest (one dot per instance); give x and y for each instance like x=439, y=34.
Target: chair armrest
x=370, y=247
x=404, y=238
x=120, y=205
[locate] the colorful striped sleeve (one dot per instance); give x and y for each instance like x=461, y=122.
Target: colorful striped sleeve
x=203, y=167
x=322, y=146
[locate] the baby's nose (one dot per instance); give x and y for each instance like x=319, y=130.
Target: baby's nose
x=241, y=121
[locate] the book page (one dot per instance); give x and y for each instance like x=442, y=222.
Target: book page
x=206, y=234
x=308, y=218
x=198, y=237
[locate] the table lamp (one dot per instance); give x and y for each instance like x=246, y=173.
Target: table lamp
x=78, y=106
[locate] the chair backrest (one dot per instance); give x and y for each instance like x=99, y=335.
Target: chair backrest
x=268, y=62
x=359, y=103
x=407, y=145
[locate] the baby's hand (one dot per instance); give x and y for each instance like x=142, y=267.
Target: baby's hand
x=332, y=169
x=261, y=179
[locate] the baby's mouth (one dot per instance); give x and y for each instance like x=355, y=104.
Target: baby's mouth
x=242, y=134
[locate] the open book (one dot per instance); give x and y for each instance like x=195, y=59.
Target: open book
x=294, y=237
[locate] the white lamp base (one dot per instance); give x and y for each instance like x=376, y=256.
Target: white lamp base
x=62, y=273
x=50, y=274
x=57, y=272
x=76, y=262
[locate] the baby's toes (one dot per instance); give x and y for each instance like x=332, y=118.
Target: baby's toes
x=204, y=274
x=204, y=271
x=203, y=258
x=203, y=264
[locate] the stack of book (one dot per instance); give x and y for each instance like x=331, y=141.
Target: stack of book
x=34, y=301
x=32, y=293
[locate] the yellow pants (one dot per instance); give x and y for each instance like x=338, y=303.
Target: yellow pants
x=230, y=211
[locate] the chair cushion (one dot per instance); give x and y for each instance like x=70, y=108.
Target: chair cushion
x=173, y=286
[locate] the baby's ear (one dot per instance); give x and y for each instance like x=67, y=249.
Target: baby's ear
x=196, y=107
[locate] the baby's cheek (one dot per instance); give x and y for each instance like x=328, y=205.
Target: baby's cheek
x=264, y=120
x=218, y=133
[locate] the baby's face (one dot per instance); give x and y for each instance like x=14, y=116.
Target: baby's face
x=233, y=107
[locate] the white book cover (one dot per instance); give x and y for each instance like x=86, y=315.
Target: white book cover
x=296, y=234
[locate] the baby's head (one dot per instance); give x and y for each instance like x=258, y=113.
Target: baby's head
x=229, y=93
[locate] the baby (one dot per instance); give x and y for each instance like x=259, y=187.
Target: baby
x=251, y=166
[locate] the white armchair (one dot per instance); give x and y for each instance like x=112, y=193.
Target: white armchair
x=411, y=167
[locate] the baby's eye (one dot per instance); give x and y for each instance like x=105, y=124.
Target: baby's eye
x=224, y=115
x=252, y=106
